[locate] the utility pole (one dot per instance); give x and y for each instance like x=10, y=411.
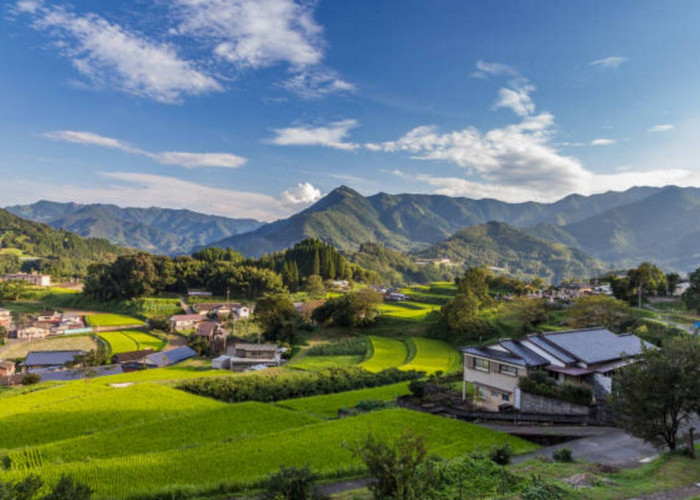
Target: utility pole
x=639, y=291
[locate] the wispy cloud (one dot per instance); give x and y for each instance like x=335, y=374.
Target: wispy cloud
x=109, y=55
x=182, y=159
x=517, y=98
x=129, y=189
x=603, y=142
x=612, y=62
x=485, y=69
x=665, y=127
x=333, y=135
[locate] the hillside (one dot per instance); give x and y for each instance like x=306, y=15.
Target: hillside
x=517, y=252
x=153, y=229
x=347, y=219
x=27, y=245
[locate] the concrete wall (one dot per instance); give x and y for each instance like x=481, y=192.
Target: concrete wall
x=533, y=403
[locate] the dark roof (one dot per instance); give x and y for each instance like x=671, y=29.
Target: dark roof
x=207, y=329
x=256, y=347
x=50, y=358
x=550, y=348
x=125, y=357
x=595, y=345
x=171, y=357
x=67, y=375
x=530, y=357
x=187, y=317
x=498, y=355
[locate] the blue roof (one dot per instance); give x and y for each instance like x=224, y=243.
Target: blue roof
x=171, y=357
x=67, y=375
x=595, y=345
x=50, y=358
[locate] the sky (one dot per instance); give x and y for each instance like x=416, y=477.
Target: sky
x=257, y=108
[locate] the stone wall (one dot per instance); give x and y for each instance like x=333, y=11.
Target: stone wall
x=533, y=403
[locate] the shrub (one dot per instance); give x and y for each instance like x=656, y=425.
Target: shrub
x=417, y=388
x=293, y=483
x=345, y=347
x=371, y=404
x=537, y=489
x=31, y=379
x=563, y=455
x=501, y=455
x=68, y=488
x=538, y=382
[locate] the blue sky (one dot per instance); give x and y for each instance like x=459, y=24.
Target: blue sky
x=256, y=108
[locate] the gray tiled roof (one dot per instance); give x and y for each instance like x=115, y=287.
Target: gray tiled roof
x=171, y=357
x=50, y=358
x=530, y=357
x=67, y=375
x=552, y=349
x=495, y=354
x=595, y=345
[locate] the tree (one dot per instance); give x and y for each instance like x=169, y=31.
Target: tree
x=528, y=312
x=691, y=296
x=659, y=392
x=598, y=310
x=647, y=279
x=68, y=488
x=672, y=280
x=475, y=280
x=293, y=483
x=462, y=312
x=26, y=489
x=275, y=313
x=314, y=287
x=396, y=469
x=350, y=309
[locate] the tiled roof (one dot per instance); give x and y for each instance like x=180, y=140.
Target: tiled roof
x=171, y=357
x=186, y=317
x=50, y=358
x=488, y=352
x=256, y=347
x=595, y=345
x=530, y=357
x=552, y=349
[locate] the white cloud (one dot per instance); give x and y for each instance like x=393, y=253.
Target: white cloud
x=603, y=142
x=128, y=189
x=665, y=127
x=182, y=159
x=332, y=135
x=485, y=69
x=107, y=54
x=612, y=62
x=518, y=99
x=263, y=33
x=303, y=193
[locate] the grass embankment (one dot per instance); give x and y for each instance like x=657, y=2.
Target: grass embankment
x=416, y=353
x=67, y=343
x=126, y=341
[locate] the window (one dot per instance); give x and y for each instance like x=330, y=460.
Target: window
x=508, y=370
x=494, y=394
x=505, y=397
x=481, y=364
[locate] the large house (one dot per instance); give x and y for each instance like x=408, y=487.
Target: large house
x=185, y=322
x=33, y=278
x=40, y=361
x=583, y=357
x=250, y=356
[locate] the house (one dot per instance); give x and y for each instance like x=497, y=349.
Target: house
x=184, y=322
x=198, y=293
x=213, y=334
x=584, y=357
x=222, y=362
x=34, y=279
x=241, y=311
x=132, y=358
x=207, y=308
x=35, y=331
x=396, y=297
x=49, y=316
x=247, y=356
x=7, y=368
x=70, y=375
x=171, y=357
x=38, y=361
x=5, y=318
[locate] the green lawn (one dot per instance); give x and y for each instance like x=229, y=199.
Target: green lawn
x=112, y=320
x=327, y=405
x=432, y=355
x=386, y=353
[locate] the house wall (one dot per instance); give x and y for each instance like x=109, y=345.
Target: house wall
x=491, y=387
x=534, y=403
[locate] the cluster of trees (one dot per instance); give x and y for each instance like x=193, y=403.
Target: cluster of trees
x=356, y=309
x=31, y=486
x=294, y=385
x=308, y=263
x=645, y=280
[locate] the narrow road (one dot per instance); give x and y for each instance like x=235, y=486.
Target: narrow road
x=185, y=306
x=662, y=319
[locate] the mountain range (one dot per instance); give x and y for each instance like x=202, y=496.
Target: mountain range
x=620, y=229
x=157, y=230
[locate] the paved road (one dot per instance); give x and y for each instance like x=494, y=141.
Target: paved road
x=662, y=319
x=186, y=307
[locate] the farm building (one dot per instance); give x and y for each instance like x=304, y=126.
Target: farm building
x=38, y=361
x=5, y=318
x=221, y=363
x=7, y=368
x=245, y=356
x=213, y=334
x=36, y=331
x=587, y=357
x=69, y=375
x=31, y=278
x=131, y=359
x=167, y=358
x=184, y=322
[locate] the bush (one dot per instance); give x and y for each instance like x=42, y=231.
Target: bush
x=563, y=455
x=538, y=382
x=418, y=388
x=31, y=379
x=68, y=488
x=537, y=489
x=294, y=384
x=356, y=346
x=293, y=483
x=371, y=404
x=501, y=455
x=467, y=477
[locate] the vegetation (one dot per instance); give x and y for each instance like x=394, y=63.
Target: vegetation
x=432, y=356
x=294, y=384
x=386, y=353
x=127, y=341
x=63, y=343
x=112, y=320
x=538, y=382
x=293, y=483
x=352, y=346
x=398, y=269
x=355, y=309
x=599, y=310
x=659, y=392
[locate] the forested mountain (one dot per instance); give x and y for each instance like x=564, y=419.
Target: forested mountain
x=27, y=246
x=347, y=219
x=516, y=252
x=159, y=230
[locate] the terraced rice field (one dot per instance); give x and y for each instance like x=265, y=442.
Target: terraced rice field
x=112, y=320
x=126, y=341
x=147, y=439
x=416, y=353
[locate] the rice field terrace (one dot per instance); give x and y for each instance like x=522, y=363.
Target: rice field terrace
x=126, y=341
x=149, y=439
x=98, y=320
x=416, y=353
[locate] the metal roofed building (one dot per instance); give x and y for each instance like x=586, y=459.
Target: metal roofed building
x=587, y=356
x=171, y=357
x=48, y=360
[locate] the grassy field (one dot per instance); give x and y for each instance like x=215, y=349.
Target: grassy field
x=112, y=320
x=327, y=405
x=386, y=353
x=68, y=343
x=126, y=341
x=315, y=363
x=161, y=440
x=432, y=356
